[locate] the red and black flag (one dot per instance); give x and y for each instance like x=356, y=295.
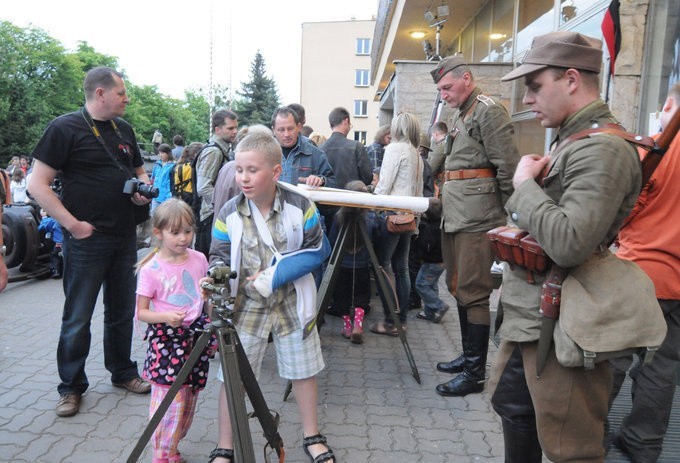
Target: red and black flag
x=611, y=31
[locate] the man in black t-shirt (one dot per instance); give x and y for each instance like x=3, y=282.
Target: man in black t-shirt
x=95, y=153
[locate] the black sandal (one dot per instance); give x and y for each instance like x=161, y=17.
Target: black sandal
x=327, y=456
x=224, y=453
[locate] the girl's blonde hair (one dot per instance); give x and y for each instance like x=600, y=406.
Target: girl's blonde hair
x=171, y=214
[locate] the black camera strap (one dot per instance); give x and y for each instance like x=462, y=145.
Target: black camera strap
x=95, y=131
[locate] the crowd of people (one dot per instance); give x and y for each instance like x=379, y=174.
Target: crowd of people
x=232, y=201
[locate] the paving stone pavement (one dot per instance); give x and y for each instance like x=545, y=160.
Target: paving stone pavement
x=370, y=406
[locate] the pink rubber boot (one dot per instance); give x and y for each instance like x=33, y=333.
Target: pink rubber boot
x=358, y=329
x=347, y=327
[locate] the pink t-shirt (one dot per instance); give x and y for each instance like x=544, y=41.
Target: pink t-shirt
x=174, y=286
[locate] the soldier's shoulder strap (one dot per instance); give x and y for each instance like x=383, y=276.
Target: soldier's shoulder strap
x=488, y=101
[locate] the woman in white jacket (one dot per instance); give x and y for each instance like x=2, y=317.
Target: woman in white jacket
x=401, y=174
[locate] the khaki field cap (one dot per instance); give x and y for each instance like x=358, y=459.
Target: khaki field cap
x=447, y=64
x=562, y=50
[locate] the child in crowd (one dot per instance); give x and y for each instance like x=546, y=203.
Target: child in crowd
x=161, y=175
x=54, y=236
x=169, y=279
x=428, y=252
x=18, y=187
x=272, y=237
x=182, y=174
x=352, y=294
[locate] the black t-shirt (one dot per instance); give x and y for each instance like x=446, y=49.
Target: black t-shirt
x=92, y=183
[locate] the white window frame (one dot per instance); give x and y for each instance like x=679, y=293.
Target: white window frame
x=360, y=108
x=361, y=77
x=363, y=46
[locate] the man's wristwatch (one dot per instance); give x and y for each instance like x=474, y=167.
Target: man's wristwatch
x=3, y=251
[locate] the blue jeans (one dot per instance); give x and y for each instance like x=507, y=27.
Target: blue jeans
x=100, y=259
x=427, y=285
x=393, y=257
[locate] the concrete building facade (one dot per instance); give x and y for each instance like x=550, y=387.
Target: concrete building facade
x=336, y=68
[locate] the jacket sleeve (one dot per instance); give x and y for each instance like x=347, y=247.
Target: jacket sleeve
x=324, y=169
x=388, y=170
x=291, y=266
x=600, y=182
x=498, y=136
x=363, y=164
x=220, y=246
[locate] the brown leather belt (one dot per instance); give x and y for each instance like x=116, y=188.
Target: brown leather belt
x=464, y=174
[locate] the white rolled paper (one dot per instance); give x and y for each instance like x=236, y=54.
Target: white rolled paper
x=349, y=198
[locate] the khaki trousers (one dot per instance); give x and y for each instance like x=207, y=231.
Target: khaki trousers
x=570, y=404
x=468, y=258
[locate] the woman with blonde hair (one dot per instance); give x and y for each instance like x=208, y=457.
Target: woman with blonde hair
x=401, y=174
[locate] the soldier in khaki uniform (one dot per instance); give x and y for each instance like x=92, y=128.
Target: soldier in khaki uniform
x=477, y=160
x=590, y=187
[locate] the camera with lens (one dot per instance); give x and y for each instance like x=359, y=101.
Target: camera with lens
x=134, y=185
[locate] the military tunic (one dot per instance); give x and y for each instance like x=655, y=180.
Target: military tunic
x=483, y=137
x=587, y=194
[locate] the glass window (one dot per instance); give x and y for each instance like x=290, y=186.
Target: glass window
x=363, y=46
x=501, y=31
x=482, y=29
x=360, y=136
x=361, y=77
x=466, y=42
x=536, y=17
x=361, y=108
x=530, y=136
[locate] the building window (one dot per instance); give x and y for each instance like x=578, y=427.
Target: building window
x=363, y=46
x=361, y=77
x=360, y=136
x=361, y=108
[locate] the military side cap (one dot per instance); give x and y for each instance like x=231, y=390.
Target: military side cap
x=447, y=64
x=424, y=141
x=561, y=49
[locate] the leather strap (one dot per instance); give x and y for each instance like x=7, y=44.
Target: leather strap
x=465, y=174
x=610, y=129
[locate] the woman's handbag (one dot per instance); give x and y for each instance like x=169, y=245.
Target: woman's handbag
x=401, y=223
x=609, y=309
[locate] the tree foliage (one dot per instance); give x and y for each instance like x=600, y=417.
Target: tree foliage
x=259, y=96
x=40, y=80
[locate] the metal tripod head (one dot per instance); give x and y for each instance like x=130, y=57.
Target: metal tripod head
x=220, y=298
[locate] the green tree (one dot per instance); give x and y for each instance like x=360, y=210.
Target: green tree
x=38, y=81
x=90, y=58
x=259, y=96
x=150, y=110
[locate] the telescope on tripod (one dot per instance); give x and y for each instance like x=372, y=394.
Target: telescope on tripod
x=238, y=376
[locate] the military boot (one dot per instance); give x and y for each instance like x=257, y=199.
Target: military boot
x=472, y=378
x=456, y=365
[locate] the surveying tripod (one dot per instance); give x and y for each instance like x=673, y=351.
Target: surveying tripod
x=236, y=371
x=355, y=222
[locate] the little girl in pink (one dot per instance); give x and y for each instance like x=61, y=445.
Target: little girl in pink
x=169, y=300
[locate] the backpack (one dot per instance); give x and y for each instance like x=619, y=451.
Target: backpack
x=181, y=184
x=195, y=201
